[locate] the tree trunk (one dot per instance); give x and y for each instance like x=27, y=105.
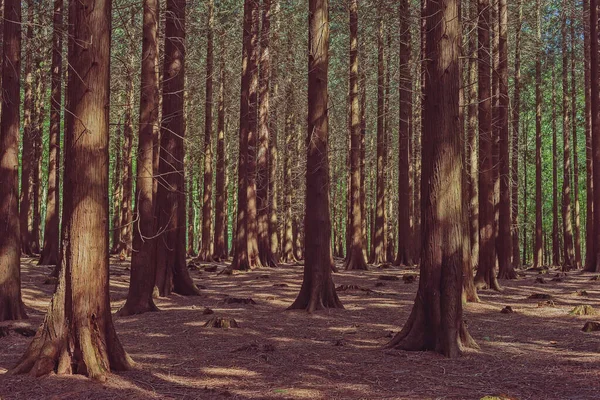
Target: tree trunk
x=506, y=269
x=555, y=234
x=317, y=291
x=220, y=246
x=537, y=248
x=27, y=154
x=172, y=274
x=378, y=255
x=288, y=237
x=273, y=150
x=590, y=255
x=472, y=177
x=576, y=208
x=38, y=114
x=405, y=245
x=205, y=253
x=50, y=248
x=246, y=255
x=355, y=258
x=143, y=269
x=78, y=336
x=567, y=213
x=11, y=305
x=117, y=190
x=125, y=236
x=435, y=322
x=267, y=258
x=485, y=277
x=516, y=115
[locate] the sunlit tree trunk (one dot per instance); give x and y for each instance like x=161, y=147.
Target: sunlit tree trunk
x=537, y=248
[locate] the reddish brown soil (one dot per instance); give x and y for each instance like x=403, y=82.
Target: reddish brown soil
x=534, y=353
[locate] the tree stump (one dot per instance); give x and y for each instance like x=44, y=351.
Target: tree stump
x=591, y=326
x=220, y=322
x=583, y=309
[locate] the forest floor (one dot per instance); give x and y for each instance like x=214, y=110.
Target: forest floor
x=537, y=352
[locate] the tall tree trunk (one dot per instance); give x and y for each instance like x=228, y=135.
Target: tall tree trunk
x=220, y=246
x=246, y=250
x=506, y=269
x=567, y=213
x=576, y=208
x=537, y=248
x=205, y=253
x=555, y=234
x=485, y=277
x=378, y=238
x=117, y=187
x=49, y=254
x=273, y=150
x=435, y=322
x=11, y=305
x=143, y=269
x=125, y=236
x=405, y=245
x=288, y=244
x=263, y=197
x=38, y=114
x=172, y=274
x=78, y=335
x=516, y=115
x=590, y=255
x=472, y=159
x=355, y=258
x=317, y=291
x=27, y=153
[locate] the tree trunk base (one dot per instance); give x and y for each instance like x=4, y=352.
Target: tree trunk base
x=419, y=335
x=356, y=261
x=12, y=309
x=314, y=299
x=130, y=308
x=509, y=273
x=87, y=347
x=204, y=255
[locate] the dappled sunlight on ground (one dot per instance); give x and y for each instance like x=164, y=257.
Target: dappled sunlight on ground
x=536, y=352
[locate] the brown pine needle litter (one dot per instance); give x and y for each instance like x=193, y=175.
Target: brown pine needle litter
x=533, y=353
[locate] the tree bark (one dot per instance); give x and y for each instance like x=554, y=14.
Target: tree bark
x=537, y=248
x=78, y=335
x=205, y=253
x=50, y=248
x=264, y=197
x=516, y=115
x=246, y=254
x=27, y=153
x=595, y=108
x=555, y=234
x=590, y=263
x=317, y=291
x=506, y=268
x=143, y=268
x=576, y=208
x=172, y=274
x=11, y=305
x=567, y=212
x=435, y=322
x=355, y=258
x=485, y=277
x=405, y=245
x=220, y=246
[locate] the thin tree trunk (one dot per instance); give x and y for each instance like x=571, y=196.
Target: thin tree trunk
x=567, y=213
x=172, y=274
x=50, y=248
x=506, y=268
x=355, y=258
x=555, y=235
x=537, y=248
x=273, y=150
x=205, y=253
x=576, y=207
x=590, y=263
x=220, y=246
x=405, y=245
x=516, y=115
x=485, y=277
x=143, y=269
x=27, y=153
x=264, y=139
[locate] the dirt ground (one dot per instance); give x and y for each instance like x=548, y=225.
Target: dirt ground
x=537, y=352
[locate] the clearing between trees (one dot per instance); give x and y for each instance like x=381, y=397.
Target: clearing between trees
x=538, y=351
